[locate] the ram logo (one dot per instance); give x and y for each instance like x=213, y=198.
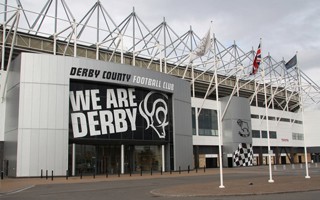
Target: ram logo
x=155, y=115
x=244, y=128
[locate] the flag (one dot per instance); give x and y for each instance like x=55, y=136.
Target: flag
x=256, y=61
x=292, y=62
x=202, y=48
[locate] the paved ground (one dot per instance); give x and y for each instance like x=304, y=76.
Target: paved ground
x=237, y=181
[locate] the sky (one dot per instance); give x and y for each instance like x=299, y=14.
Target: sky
x=285, y=26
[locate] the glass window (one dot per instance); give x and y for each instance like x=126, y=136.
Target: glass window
x=297, y=136
x=272, y=118
x=264, y=134
x=273, y=134
x=208, y=122
x=193, y=121
x=255, y=133
x=284, y=120
x=254, y=116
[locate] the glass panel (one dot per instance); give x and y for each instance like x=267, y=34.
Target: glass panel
x=147, y=158
x=208, y=123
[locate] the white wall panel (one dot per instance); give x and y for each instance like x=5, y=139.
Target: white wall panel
x=44, y=105
x=34, y=153
x=66, y=108
x=36, y=69
x=43, y=138
x=50, y=149
x=60, y=152
x=27, y=70
x=52, y=69
x=34, y=104
x=44, y=70
x=52, y=107
x=26, y=108
x=59, y=107
x=312, y=128
x=24, y=139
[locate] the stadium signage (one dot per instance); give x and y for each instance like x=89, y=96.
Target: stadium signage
x=96, y=112
x=122, y=77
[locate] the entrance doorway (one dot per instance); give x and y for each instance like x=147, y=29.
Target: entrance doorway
x=211, y=163
x=100, y=159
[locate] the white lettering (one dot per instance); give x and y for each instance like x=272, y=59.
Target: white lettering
x=106, y=122
x=79, y=129
x=132, y=118
x=122, y=98
x=95, y=100
x=111, y=99
x=79, y=99
x=120, y=120
x=93, y=123
x=132, y=97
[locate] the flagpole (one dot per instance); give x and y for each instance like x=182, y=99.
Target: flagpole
x=302, y=115
x=218, y=115
x=267, y=118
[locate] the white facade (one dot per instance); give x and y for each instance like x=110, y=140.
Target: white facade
x=312, y=128
x=283, y=129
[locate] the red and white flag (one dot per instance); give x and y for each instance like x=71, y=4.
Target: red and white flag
x=256, y=61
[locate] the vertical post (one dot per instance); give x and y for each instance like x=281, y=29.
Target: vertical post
x=162, y=158
x=267, y=120
x=302, y=115
x=122, y=159
x=73, y=159
x=218, y=116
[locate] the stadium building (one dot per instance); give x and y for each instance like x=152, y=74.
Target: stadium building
x=120, y=98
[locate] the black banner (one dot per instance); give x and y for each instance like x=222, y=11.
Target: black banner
x=115, y=112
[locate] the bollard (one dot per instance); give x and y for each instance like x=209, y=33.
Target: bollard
x=94, y=174
x=46, y=174
x=188, y=169
x=151, y=171
x=179, y=170
x=204, y=169
x=67, y=175
x=1, y=175
x=107, y=174
x=52, y=175
x=140, y=171
x=161, y=170
x=81, y=174
x=316, y=165
x=196, y=169
x=41, y=173
x=170, y=171
x=130, y=171
x=118, y=172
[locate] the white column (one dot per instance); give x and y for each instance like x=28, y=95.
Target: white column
x=122, y=159
x=163, y=158
x=73, y=159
